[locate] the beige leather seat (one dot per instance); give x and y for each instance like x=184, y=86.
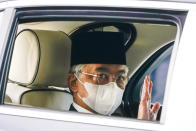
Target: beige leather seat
x=47, y=98
x=40, y=59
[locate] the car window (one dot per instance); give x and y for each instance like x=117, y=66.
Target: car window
x=50, y=58
x=35, y=82
x=159, y=77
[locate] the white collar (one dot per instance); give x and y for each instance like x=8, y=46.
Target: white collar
x=80, y=109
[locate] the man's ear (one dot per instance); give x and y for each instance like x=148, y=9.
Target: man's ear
x=72, y=82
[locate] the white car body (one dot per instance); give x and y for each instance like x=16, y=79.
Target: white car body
x=179, y=112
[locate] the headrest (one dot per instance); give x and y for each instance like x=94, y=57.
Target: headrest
x=50, y=98
x=40, y=58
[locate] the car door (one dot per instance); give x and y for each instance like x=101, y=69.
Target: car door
x=16, y=117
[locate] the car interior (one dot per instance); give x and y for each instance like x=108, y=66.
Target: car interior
x=41, y=61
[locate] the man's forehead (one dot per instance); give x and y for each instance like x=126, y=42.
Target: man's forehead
x=110, y=68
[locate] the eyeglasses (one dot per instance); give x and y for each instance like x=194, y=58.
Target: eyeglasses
x=104, y=78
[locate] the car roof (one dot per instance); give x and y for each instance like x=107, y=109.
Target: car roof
x=5, y=0
x=155, y=4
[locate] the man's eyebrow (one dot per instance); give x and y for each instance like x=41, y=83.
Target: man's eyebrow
x=102, y=69
x=122, y=71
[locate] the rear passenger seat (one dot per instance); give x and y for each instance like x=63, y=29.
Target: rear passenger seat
x=40, y=59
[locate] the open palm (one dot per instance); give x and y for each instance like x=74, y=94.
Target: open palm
x=145, y=111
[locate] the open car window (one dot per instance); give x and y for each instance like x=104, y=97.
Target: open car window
x=42, y=70
x=35, y=87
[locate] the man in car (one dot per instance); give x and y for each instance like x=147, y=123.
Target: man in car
x=98, y=75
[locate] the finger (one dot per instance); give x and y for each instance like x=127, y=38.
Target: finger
x=147, y=77
x=144, y=87
x=145, y=90
x=155, y=108
x=154, y=111
x=148, y=88
x=149, y=85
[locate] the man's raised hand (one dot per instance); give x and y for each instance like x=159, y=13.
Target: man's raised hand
x=145, y=111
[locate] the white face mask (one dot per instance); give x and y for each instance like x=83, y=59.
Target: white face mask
x=103, y=99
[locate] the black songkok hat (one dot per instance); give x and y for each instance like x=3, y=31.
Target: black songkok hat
x=98, y=48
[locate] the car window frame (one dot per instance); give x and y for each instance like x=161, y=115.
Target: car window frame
x=8, y=29
x=25, y=14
